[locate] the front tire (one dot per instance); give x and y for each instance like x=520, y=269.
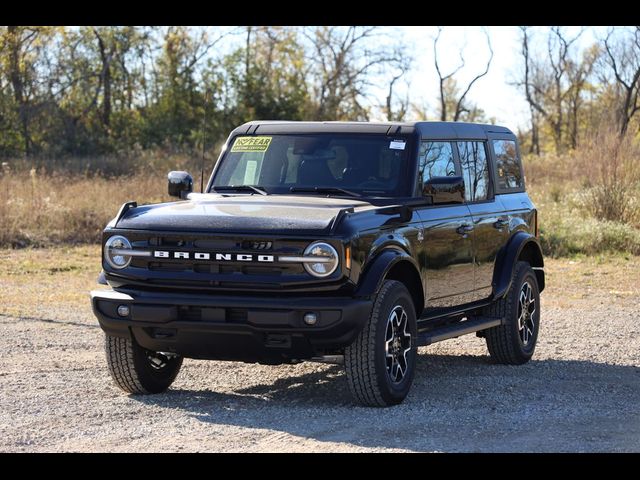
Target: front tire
x=137, y=370
x=380, y=364
x=514, y=342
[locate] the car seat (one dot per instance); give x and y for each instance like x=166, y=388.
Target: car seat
x=314, y=171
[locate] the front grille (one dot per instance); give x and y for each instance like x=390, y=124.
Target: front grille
x=257, y=245
x=166, y=266
x=216, y=268
x=236, y=315
x=217, y=273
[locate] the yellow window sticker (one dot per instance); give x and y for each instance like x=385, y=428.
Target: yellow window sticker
x=251, y=144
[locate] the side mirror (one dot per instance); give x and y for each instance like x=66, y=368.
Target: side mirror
x=444, y=190
x=180, y=184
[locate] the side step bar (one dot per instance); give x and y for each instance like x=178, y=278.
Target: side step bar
x=471, y=325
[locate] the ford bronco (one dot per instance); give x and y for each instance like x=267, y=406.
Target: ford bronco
x=343, y=242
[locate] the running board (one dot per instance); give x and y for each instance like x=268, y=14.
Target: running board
x=462, y=328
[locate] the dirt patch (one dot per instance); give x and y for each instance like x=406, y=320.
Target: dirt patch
x=579, y=393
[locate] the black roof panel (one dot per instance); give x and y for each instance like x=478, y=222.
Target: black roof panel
x=428, y=130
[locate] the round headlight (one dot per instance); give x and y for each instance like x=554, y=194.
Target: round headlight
x=112, y=256
x=327, y=259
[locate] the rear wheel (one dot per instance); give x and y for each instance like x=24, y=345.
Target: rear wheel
x=138, y=370
x=514, y=342
x=380, y=363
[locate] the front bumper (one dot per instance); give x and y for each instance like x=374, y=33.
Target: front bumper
x=252, y=329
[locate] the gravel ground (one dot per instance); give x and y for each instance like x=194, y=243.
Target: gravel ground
x=579, y=393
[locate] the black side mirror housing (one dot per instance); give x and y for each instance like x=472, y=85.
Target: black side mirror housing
x=180, y=184
x=443, y=190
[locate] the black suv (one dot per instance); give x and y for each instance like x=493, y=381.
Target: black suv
x=348, y=242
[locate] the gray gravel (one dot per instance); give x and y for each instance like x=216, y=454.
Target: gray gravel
x=580, y=393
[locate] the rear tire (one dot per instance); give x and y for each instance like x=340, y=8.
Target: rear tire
x=514, y=342
x=380, y=364
x=137, y=370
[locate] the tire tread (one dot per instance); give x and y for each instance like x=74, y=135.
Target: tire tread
x=120, y=360
x=499, y=339
x=125, y=360
x=360, y=356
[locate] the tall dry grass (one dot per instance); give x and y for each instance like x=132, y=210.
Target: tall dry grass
x=69, y=201
x=42, y=210
x=589, y=199
x=611, y=165
x=124, y=163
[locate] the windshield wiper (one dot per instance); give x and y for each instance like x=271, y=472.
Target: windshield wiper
x=254, y=188
x=325, y=190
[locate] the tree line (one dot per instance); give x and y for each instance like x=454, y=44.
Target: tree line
x=81, y=91
x=573, y=92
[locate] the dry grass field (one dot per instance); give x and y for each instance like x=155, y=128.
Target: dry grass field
x=579, y=393
x=588, y=203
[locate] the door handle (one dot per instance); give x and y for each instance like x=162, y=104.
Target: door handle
x=501, y=223
x=464, y=229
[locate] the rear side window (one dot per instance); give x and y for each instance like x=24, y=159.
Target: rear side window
x=475, y=170
x=436, y=160
x=508, y=170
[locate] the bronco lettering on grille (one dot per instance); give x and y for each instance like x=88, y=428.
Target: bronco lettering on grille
x=225, y=257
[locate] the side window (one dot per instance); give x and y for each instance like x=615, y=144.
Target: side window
x=507, y=165
x=435, y=160
x=475, y=171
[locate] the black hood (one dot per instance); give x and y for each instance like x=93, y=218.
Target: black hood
x=240, y=213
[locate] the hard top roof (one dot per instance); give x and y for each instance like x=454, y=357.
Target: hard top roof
x=428, y=130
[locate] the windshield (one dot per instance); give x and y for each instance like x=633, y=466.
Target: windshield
x=334, y=164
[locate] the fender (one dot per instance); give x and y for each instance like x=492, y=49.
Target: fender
x=126, y=206
x=509, y=255
x=374, y=273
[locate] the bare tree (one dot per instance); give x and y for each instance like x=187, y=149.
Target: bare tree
x=448, y=84
x=578, y=74
x=623, y=57
x=549, y=83
x=401, y=66
x=530, y=93
x=419, y=109
x=342, y=63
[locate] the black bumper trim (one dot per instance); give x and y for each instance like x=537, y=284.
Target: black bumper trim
x=232, y=327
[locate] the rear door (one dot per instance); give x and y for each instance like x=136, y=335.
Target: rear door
x=490, y=224
x=446, y=249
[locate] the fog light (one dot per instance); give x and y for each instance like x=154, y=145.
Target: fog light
x=123, y=310
x=310, y=318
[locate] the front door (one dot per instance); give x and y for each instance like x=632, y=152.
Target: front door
x=446, y=249
x=490, y=225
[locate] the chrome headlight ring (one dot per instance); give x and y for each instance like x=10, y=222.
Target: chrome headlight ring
x=328, y=256
x=112, y=255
